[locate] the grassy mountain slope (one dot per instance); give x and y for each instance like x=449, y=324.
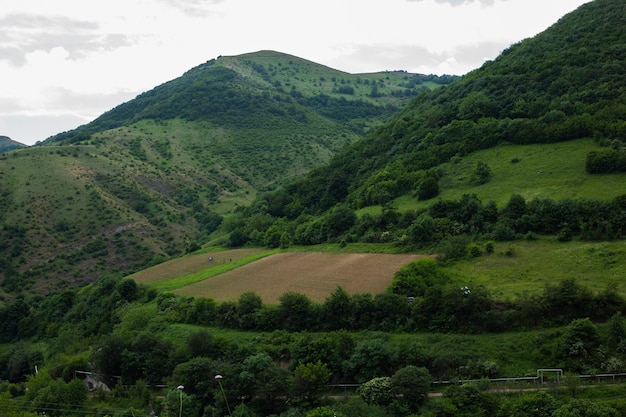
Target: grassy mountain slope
x=566, y=84
x=152, y=177
x=267, y=116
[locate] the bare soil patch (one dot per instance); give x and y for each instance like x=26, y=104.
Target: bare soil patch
x=314, y=274
x=190, y=264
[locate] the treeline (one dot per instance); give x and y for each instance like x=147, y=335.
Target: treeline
x=421, y=298
x=277, y=220
x=116, y=329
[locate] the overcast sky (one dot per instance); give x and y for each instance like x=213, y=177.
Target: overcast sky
x=65, y=62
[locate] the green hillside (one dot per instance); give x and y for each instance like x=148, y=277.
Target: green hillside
x=544, y=121
x=7, y=144
x=153, y=177
x=512, y=177
x=267, y=116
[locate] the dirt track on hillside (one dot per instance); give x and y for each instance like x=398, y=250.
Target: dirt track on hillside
x=314, y=274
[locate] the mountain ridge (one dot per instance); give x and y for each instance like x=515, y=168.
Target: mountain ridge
x=565, y=83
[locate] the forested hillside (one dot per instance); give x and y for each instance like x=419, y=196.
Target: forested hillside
x=564, y=84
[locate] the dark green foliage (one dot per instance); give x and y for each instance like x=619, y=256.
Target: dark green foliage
x=416, y=277
x=578, y=346
x=605, y=161
x=412, y=384
x=248, y=308
x=536, y=404
x=469, y=400
x=428, y=188
x=310, y=380
x=370, y=359
x=262, y=382
x=294, y=312
x=585, y=408
x=617, y=332
x=340, y=219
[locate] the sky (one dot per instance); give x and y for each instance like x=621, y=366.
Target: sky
x=65, y=62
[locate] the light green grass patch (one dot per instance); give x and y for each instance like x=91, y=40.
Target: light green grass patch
x=211, y=271
x=531, y=265
x=551, y=171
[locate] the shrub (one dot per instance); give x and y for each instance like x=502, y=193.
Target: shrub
x=481, y=174
x=474, y=251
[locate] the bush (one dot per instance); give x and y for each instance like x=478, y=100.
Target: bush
x=481, y=174
x=474, y=251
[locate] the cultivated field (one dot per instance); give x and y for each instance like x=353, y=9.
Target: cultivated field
x=192, y=264
x=314, y=274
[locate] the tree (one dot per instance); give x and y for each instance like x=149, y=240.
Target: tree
x=428, y=188
x=584, y=408
x=412, y=383
x=370, y=359
x=176, y=400
x=475, y=106
x=617, y=333
x=579, y=343
x=340, y=219
x=262, y=381
x=515, y=207
x=376, y=391
x=413, y=279
x=295, y=311
x=536, y=404
x=470, y=401
x=248, y=306
x=423, y=230
x=337, y=310
x=321, y=412
x=201, y=343
x=309, y=381
x=357, y=407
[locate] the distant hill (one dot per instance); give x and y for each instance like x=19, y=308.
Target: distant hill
x=153, y=177
x=7, y=144
x=264, y=116
x=566, y=83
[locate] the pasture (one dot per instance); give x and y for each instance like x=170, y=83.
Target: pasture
x=270, y=275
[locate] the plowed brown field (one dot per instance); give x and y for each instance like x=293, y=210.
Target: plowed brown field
x=189, y=265
x=314, y=274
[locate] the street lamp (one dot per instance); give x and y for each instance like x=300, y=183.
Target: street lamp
x=219, y=381
x=180, y=389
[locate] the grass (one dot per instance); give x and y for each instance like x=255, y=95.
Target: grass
x=525, y=267
x=555, y=171
x=163, y=278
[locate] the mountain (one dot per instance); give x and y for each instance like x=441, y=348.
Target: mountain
x=263, y=117
x=153, y=177
x=7, y=144
x=565, y=84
